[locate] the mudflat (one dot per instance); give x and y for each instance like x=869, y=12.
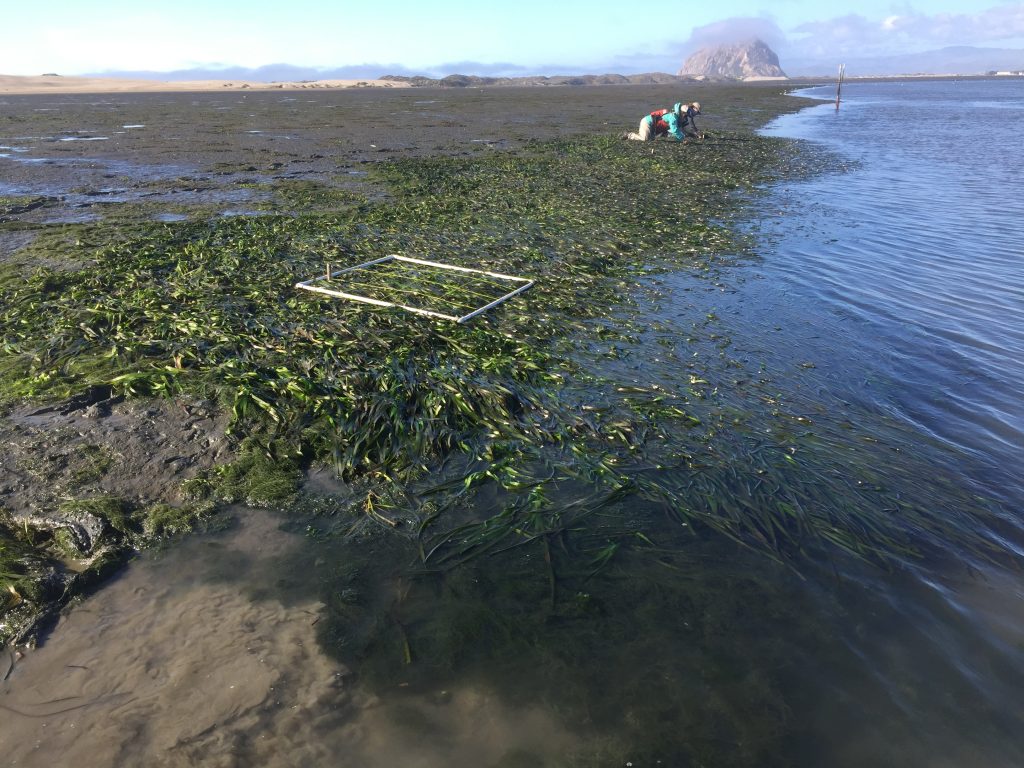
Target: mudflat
x=90, y=157
x=596, y=507
x=76, y=163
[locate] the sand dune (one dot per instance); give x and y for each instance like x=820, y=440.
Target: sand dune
x=17, y=84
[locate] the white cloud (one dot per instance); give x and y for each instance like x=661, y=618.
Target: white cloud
x=805, y=47
x=734, y=30
x=910, y=31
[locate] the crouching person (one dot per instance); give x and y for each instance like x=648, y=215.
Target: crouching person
x=677, y=122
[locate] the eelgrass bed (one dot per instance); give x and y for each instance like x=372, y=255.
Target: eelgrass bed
x=206, y=307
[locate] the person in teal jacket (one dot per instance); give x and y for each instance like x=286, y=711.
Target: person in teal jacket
x=677, y=122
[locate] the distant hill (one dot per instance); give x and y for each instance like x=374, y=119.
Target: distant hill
x=287, y=73
x=751, y=60
x=466, y=81
x=268, y=73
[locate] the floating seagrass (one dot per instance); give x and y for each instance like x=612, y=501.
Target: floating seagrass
x=421, y=284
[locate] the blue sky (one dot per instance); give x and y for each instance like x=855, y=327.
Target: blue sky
x=522, y=37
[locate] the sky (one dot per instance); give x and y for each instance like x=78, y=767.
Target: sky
x=71, y=37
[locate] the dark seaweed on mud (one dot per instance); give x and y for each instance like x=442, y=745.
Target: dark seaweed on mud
x=208, y=308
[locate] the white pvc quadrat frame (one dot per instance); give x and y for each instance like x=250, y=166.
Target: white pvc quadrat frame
x=309, y=285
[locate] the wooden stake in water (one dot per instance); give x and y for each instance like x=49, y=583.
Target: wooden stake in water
x=328, y=271
x=839, y=84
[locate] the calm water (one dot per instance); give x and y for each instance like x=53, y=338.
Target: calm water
x=912, y=261
x=887, y=295
x=883, y=303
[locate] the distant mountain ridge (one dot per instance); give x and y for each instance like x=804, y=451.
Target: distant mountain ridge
x=286, y=72
x=750, y=60
x=752, y=63
x=466, y=81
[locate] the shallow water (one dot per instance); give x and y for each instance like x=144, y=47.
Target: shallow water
x=261, y=647
x=889, y=295
x=911, y=261
x=206, y=654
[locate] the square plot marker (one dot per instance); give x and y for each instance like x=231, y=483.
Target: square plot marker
x=416, y=285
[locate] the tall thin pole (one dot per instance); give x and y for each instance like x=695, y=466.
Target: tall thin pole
x=839, y=84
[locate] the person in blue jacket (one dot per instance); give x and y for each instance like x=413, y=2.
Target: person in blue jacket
x=677, y=122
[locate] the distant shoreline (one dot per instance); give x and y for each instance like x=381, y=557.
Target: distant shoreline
x=58, y=84
x=42, y=84
x=15, y=85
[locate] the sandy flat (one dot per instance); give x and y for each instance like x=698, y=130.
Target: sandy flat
x=17, y=84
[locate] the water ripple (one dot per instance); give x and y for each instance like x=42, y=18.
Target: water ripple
x=918, y=253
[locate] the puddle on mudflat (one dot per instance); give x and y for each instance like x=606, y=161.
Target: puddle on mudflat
x=204, y=655
x=46, y=160
x=230, y=213
x=72, y=218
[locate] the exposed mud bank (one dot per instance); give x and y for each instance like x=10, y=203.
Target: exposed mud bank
x=86, y=481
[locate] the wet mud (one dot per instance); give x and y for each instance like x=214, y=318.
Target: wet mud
x=76, y=157
x=193, y=656
x=141, y=451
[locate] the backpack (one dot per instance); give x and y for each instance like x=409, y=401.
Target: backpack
x=657, y=115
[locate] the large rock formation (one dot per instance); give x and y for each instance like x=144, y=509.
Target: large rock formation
x=752, y=60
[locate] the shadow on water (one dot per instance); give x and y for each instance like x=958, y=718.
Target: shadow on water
x=567, y=651
x=685, y=650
